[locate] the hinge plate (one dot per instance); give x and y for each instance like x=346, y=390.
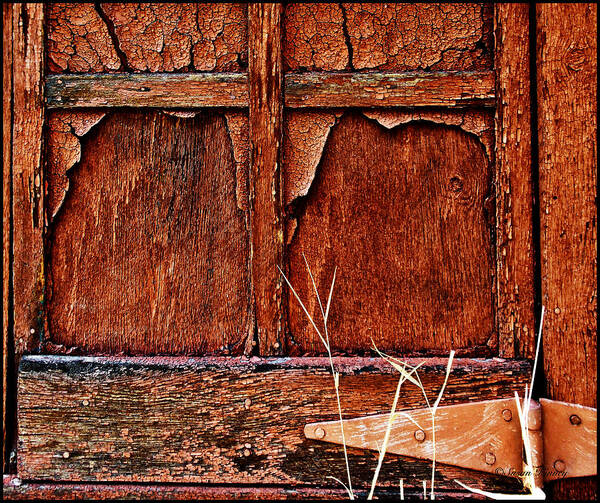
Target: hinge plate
x=483, y=436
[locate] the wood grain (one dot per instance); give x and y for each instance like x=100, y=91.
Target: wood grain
x=424, y=89
x=187, y=90
x=160, y=90
x=266, y=194
x=567, y=100
x=227, y=420
x=404, y=220
x=514, y=196
x=7, y=306
x=27, y=175
x=150, y=252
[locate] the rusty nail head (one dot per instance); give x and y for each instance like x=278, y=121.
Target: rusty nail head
x=490, y=459
x=575, y=420
x=559, y=465
x=320, y=433
x=419, y=435
x=66, y=454
x=507, y=415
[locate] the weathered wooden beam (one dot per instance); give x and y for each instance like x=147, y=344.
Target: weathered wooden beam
x=266, y=193
x=27, y=174
x=421, y=89
x=228, y=420
x=567, y=73
x=165, y=90
x=326, y=90
x=16, y=490
x=7, y=36
x=514, y=184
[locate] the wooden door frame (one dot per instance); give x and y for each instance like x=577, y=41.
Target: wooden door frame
x=516, y=171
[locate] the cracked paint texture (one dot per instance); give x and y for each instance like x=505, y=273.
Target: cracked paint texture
x=64, y=150
x=376, y=36
x=78, y=40
x=152, y=37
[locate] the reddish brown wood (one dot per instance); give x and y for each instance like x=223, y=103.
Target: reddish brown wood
x=420, y=89
x=150, y=252
x=227, y=420
x=15, y=489
x=514, y=198
x=7, y=100
x=187, y=90
x=404, y=220
x=27, y=175
x=159, y=37
x=567, y=99
x=266, y=195
x=390, y=36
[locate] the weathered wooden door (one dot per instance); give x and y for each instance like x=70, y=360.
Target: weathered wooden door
x=162, y=162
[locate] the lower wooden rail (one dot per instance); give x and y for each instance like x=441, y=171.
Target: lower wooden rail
x=229, y=420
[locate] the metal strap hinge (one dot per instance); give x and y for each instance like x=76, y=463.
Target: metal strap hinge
x=483, y=436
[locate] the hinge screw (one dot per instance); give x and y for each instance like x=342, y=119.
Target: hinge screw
x=575, y=420
x=419, y=435
x=507, y=415
x=320, y=433
x=559, y=465
x=490, y=459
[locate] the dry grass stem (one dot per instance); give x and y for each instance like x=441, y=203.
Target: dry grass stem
x=325, y=341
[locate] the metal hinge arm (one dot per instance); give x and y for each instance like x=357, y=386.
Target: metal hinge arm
x=483, y=436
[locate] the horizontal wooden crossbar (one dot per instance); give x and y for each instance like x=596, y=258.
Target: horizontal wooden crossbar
x=226, y=420
x=316, y=90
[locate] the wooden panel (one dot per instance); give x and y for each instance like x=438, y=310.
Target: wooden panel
x=514, y=198
x=404, y=220
x=158, y=90
x=265, y=83
x=389, y=89
x=567, y=100
x=15, y=489
x=390, y=36
x=226, y=420
x=154, y=37
x=149, y=252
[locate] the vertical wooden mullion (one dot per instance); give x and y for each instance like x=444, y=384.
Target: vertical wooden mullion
x=566, y=50
x=266, y=102
x=25, y=163
x=514, y=199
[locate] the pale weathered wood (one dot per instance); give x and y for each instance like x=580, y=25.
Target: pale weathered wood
x=27, y=175
x=567, y=94
x=7, y=99
x=227, y=420
x=266, y=194
x=444, y=89
x=402, y=214
x=188, y=90
x=514, y=199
